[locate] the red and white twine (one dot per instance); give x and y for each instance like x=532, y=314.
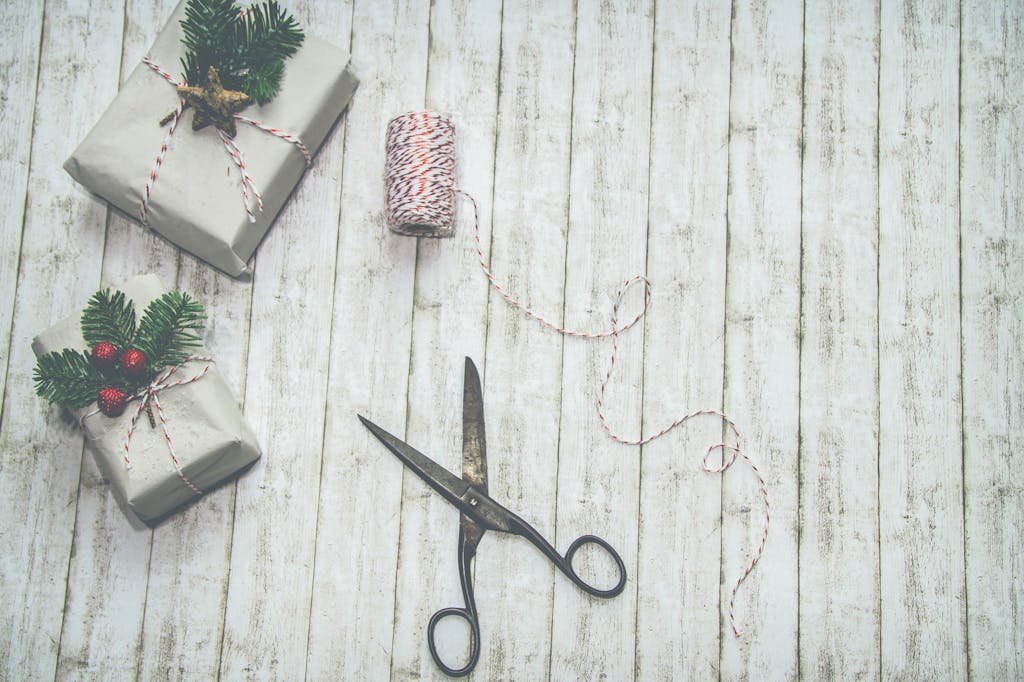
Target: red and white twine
x=151, y=395
x=233, y=151
x=420, y=192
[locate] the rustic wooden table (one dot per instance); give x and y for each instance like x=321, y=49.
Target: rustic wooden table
x=827, y=197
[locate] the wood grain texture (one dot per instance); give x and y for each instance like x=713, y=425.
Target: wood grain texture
x=920, y=467
x=598, y=479
x=839, y=588
x=992, y=314
x=678, y=567
x=354, y=601
x=21, y=29
x=267, y=613
x=449, y=323
x=762, y=333
x=834, y=200
x=41, y=446
x=514, y=582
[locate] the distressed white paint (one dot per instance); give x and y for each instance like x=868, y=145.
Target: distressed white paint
x=677, y=579
x=523, y=379
x=920, y=467
x=361, y=491
x=762, y=331
x=20, y=30
x=839, y=617
x=992, y=311
x=598, y=479
x=297, y=573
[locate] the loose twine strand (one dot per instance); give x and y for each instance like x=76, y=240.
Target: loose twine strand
x=150, y=395
x=420, y=192
x=248, y=183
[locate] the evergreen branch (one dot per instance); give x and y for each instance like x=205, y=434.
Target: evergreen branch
x=169, y=330
x=108, y=317
x=207, y=27
x=266, y=32
x=264, y=82
x=248, y=48
x=267, y=35
x=69, y=378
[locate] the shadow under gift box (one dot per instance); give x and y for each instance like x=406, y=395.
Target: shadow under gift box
x=196, y=201
x=209, y=435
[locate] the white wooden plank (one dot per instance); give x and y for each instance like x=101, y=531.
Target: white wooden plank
x=992, y=286
x=921, y=523
x=762, y=336
x=449, y=323
x=21, y=26
x=839, y=617
x=598, y=479
x=108, y=572
x=267, y=612
x=522, y=387
x=62, y=247
x=354, y=600
x=677, y=582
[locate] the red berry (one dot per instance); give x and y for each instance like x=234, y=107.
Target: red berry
x=104, y=354
x=133, y=362
x=112, y=401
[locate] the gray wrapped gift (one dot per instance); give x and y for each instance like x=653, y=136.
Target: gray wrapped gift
x=209, y=439
x=196, y=200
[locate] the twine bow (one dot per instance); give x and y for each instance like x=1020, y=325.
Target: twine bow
x=229, y=144
x=148, y=398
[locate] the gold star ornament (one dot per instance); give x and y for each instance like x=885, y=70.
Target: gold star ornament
x=213, y=104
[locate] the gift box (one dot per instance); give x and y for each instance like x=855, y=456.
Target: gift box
x=195, y=185
x=197, y=437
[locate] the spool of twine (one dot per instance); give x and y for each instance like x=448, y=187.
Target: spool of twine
x=419, y=174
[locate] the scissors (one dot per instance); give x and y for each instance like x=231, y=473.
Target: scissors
x=480, y=513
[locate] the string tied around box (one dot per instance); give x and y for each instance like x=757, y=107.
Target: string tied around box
x=227, y=139
x=246, y=46
x=420, y=191
x=148, y=398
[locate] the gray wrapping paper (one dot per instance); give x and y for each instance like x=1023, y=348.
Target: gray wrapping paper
x=196, y=201
x=209, y=435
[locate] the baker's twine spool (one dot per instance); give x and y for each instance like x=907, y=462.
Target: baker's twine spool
x=420, y=191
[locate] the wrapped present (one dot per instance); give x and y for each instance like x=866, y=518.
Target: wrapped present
x=161, y=423
x=215, y=190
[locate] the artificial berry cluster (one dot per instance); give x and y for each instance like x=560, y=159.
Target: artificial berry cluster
x=132, y=363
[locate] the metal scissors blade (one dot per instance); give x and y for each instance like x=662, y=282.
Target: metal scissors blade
x=470, y=501
x=451, y=487
x=474, y=447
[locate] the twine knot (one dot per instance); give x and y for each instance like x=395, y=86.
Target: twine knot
x=148, y=398
x=219, y=107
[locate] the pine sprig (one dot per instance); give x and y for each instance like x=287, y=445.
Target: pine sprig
x=167, y=334
x=247, y=47
x=108, y=317
x=69, y=378
x=170, y=329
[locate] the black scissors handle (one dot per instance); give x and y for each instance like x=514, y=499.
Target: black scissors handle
x=466, y=554
x=564, y=563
